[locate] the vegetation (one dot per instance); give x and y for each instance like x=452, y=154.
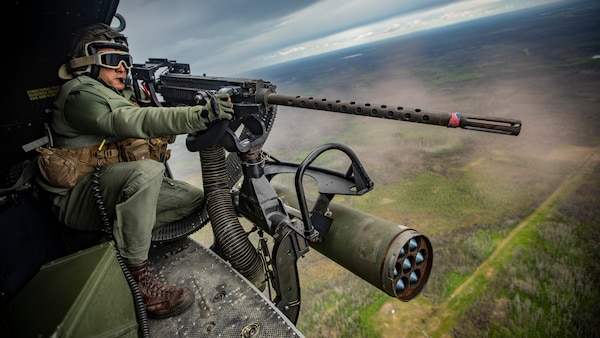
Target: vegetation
x=506, y=262
x=549, y=286
x=542, y=282
x=514, y=223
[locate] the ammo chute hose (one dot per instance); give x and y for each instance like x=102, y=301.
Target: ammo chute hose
x=138, y=300
x=230, y=238
x=197, y=220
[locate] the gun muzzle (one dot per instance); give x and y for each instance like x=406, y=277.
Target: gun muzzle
x=394, y=258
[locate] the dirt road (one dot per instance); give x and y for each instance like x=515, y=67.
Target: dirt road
x=446, y=312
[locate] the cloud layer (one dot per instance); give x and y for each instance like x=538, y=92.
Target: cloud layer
x=219, y=38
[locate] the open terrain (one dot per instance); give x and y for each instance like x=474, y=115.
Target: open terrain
x=513, y=220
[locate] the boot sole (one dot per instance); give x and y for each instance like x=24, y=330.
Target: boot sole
x=174, y=312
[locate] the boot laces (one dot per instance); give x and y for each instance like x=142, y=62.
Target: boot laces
x=154, y=288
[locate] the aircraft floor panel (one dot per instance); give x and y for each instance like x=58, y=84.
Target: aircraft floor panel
x=226, y=304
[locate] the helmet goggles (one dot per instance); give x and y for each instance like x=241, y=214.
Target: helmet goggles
x=113, y=59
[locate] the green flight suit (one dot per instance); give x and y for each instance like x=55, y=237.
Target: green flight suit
x=137, y=197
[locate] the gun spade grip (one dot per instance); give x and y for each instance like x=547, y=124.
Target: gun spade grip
x=214, y=104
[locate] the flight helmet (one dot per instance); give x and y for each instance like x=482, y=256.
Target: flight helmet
x=85, y=57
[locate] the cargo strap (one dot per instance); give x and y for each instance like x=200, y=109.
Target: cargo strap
x=28, y=169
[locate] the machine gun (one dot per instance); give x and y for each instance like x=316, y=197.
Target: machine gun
x=393, y=258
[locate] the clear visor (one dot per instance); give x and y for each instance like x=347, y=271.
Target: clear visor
x=113, y=59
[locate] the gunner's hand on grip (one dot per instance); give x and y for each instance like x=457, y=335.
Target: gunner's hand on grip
x=218, y=107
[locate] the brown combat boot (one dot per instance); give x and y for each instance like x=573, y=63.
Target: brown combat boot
x=161, y=300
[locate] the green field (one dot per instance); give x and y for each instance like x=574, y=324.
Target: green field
x=513, y=221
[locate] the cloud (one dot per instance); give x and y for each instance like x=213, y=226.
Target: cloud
x=364, y=36
x=290, y=51
x=225, y=38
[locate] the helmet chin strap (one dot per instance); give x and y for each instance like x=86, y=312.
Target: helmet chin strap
x=94, y=72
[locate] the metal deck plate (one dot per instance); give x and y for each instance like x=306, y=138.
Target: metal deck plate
x=226, y=304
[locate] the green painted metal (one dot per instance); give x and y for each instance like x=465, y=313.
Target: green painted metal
x=81, y=295
x=374, y=249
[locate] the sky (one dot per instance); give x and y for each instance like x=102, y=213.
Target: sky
x=225, y=38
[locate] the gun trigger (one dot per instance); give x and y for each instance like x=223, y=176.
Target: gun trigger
x=216, y=108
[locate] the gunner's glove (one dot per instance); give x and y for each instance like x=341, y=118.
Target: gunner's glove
x=218, y=107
